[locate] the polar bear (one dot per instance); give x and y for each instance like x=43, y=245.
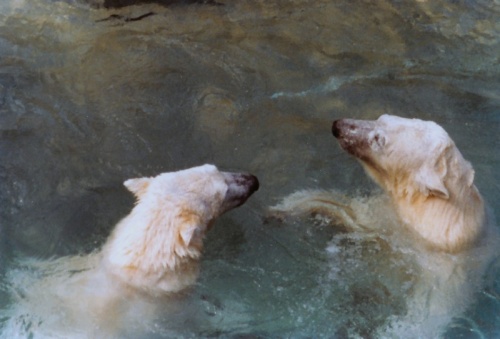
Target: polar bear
x=152, y=255
x=429, y=182
x=415, y=162
x=430, y=209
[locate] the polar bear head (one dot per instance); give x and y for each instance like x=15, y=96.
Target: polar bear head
x=419, y=166
x=163, y=234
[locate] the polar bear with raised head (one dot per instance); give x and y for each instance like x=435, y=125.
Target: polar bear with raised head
x=430, y=213
x=151, y=256
x=418, y=165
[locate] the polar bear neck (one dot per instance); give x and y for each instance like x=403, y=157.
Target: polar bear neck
x=451, y=224
x=450, y=221
x=145, y=251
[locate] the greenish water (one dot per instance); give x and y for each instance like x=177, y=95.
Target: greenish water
x=90, y=97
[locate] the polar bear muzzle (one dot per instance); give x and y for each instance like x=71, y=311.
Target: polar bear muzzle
x=240, y=187
x=353, y=135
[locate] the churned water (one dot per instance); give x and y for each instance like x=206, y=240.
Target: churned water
x=91, y=96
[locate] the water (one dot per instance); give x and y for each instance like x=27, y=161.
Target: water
x=90, y=97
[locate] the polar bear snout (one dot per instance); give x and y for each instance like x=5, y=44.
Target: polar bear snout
x=345, y=129
x=351, y=128
x=240, y=187
x=336, y=128
x=353, y=135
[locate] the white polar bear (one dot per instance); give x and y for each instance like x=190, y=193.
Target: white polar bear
x=431, y=194
x=153, y=253
x=419, y=166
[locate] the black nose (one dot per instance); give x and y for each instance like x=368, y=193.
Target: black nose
x=254, y=182
x=336, y=129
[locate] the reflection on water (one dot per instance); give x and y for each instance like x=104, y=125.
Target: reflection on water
x=90, y=97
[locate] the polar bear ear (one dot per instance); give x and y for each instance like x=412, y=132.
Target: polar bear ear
x=430, y=180
x=435, y=186
x=137, y=186
x=470, y=176
x=188, y=233
x=469, y=172
x=191, y=227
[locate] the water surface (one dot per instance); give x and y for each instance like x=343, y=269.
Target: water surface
x=90, y=97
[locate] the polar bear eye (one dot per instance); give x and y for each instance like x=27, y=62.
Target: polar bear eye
x=377, y=141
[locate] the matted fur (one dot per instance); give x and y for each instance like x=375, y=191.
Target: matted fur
x=419, y=166
x=152, y=255
x=431, y=210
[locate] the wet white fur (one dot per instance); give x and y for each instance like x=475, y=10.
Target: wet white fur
x=152, y=254
x=431, y=210
x=430, y=183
